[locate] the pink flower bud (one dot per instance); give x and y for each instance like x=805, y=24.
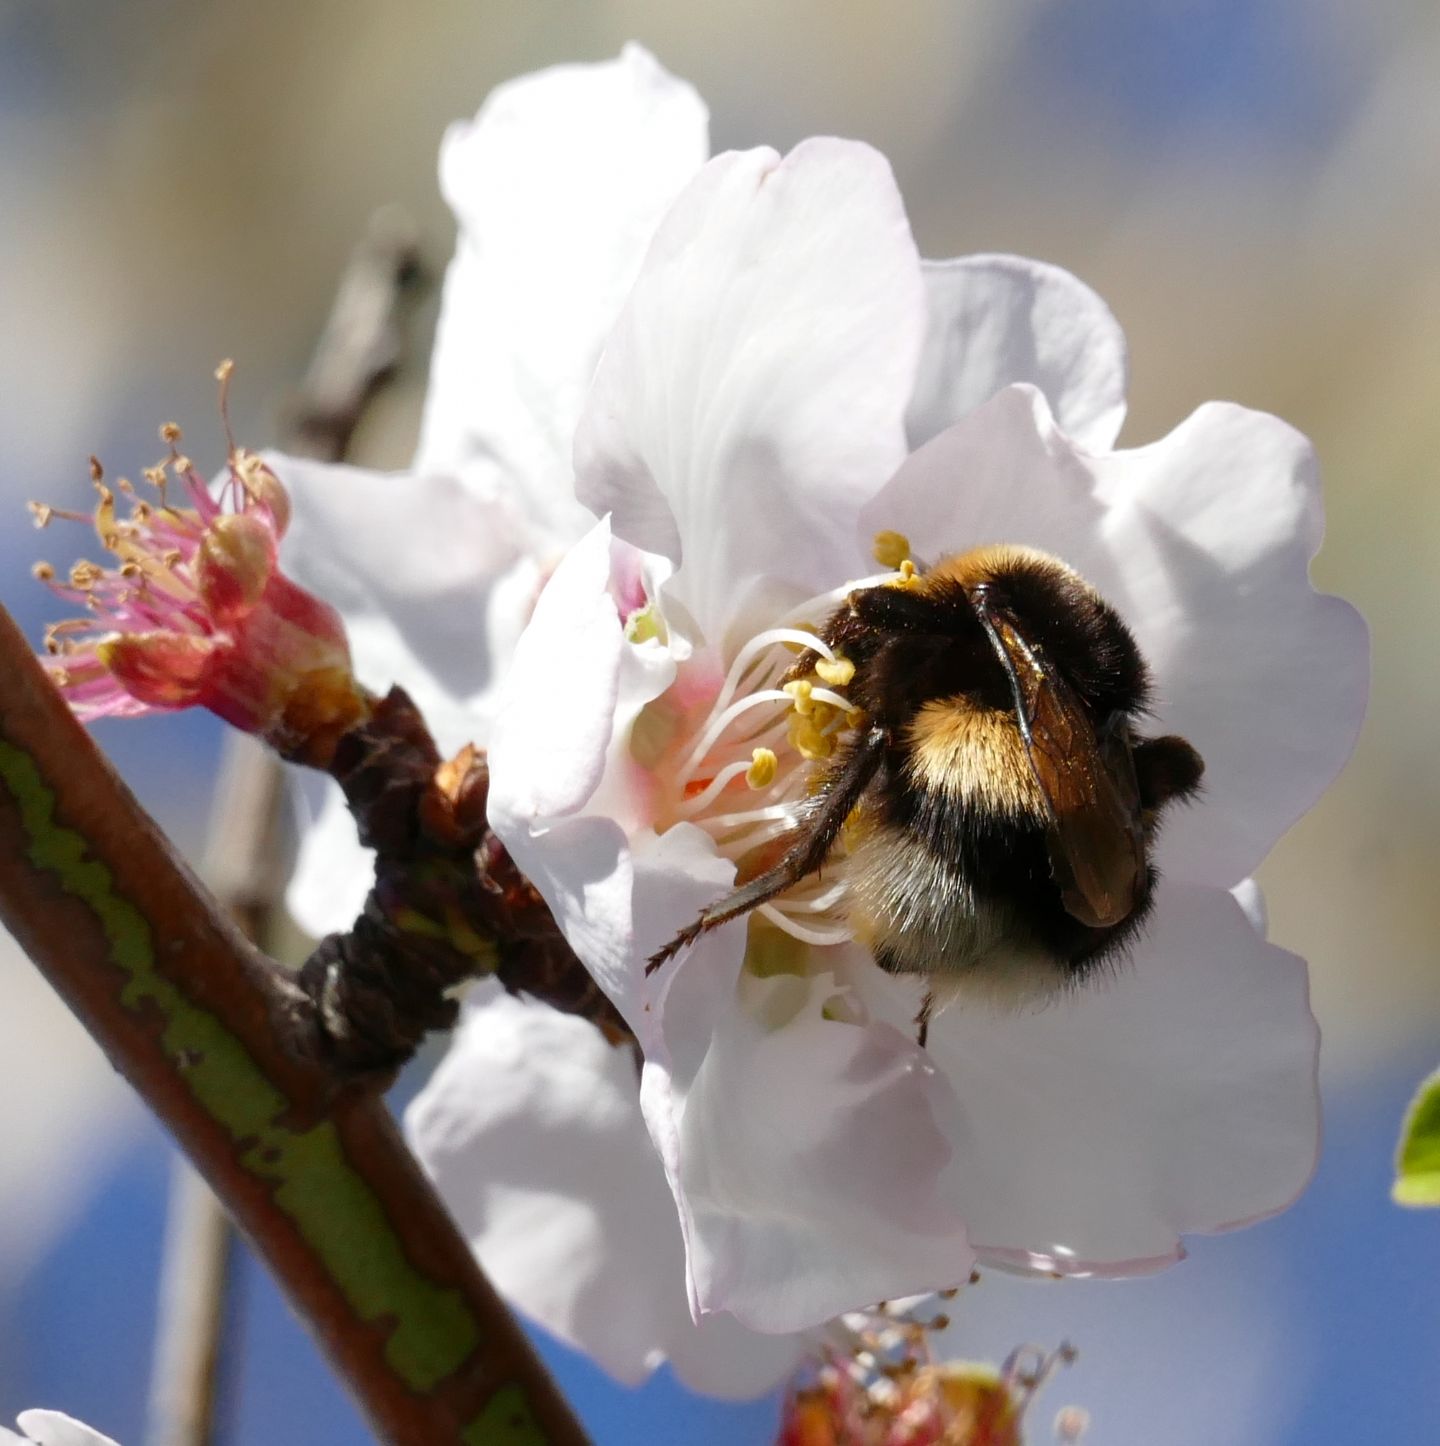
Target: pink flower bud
x=194, y=612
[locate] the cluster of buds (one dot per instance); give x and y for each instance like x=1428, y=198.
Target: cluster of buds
x=195, y=612
x=876, y=1383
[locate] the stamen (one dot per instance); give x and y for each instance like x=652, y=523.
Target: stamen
x=223, y=373
x=818, y=937
x=890, y=549
x=837, y=673
x=800, y=695
x=822, y=697
x=817, y=904
x=44, y=514
x=718, y=725
x=761, y=642
x=783, y=812
x=761, y=773
x=808, y=740
x=717, y=786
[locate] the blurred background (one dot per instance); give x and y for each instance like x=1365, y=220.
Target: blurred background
x=1251, y=184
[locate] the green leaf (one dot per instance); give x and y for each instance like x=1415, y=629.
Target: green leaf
x=1417, y=1164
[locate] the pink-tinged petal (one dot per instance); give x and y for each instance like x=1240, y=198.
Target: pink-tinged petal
x=333, y=871
x=531, y=1130
x=1202, y=541
x=558, y=184
x=752, y=394
x=431, y=580
x=55, y=1428
x=804, y=1152
x=1178, y=1096
x=161, y=669
x=995, y=320
x=560, y=765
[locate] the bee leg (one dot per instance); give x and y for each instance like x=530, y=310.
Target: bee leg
x=803, y=857
x=922, y=1020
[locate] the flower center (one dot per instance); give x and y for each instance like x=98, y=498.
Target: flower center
x=741, y=759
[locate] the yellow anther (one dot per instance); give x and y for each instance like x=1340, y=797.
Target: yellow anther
x=836, y=674
x=155, y=476
x=170, y=433
x=42, y=572
x=800, y=699
x=909, y=575
x=822, y=714
x=224, y=371
x=181, y=464
x=85, y=574
x=42, y=512
x=761, y=773
x=891, y=548
x=808, y=741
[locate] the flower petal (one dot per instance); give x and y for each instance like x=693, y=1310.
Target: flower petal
x=1202, y=541
x=531, y=1130
x=559, y=696
x=752, y=394
x=561, y=733
x=995, y=320
x=1179, y=1096
x=431, y=581
x=55, y=1428
x=804, y=1151
x=1251, y=898
x=558, y=184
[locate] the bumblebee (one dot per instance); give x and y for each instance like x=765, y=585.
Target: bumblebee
x=1001, y=804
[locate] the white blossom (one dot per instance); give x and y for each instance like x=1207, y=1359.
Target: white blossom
x=780, y=378
x=52, y=1428
x=745, y=438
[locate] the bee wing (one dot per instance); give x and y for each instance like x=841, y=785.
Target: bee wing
x=1096, y=842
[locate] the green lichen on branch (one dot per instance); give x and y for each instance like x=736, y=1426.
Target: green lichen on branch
x=432, y=1331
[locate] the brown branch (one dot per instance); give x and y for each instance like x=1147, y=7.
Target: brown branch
x=448, y=904
x=214, y=1036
